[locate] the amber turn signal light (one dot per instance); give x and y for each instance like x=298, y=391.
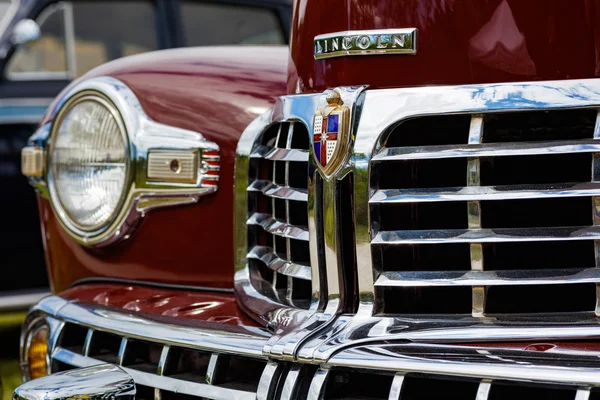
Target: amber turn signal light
x=37, y=353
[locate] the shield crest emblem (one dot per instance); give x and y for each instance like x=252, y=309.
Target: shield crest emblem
x=330, y=133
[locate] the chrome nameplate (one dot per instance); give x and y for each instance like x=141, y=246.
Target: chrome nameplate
x=361, y=43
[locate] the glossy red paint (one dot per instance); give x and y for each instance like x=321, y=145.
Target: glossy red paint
x=214, y=91
x=460, y=42
x=187, y=305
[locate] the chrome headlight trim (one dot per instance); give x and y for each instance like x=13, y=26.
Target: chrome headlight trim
x=143, y=137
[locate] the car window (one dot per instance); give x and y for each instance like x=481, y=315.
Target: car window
x=46, y=57
x=100, y=31
x=106, y=30
x=206, y=24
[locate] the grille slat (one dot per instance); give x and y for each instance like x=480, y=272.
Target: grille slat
x=414, y=211
x=278, y=248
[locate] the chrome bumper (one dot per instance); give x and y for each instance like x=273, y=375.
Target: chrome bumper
x=99, y=382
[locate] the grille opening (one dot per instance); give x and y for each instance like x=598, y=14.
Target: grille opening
x=430, y=131
x=539, y=125
x=279, y=209
x=187, y=365
x=265, y=272
x=281, y=247
x=105, y=346
x=345, y=239
x=142, y=356
x=263, y=204
x=419, y=174
x=176, y=396
x=243, y=374
x=301, y=137
x=270, y=135
x=301, y=290
x=539, y=255
x=427, y=257
x=434, y=388
x=595, y=394
x=500, y=391
x=59, y=366
x=545, y=169
x=298, y=175
x=427, y=300
x=144, y=392
x=552, y=212
x=299, y=250
x=283, y=134
x=422, y=216
x=72, y=338
x=279, y=172
x=541, y=298
x=265, y=169
x=281, y=283
x=357, y=385
x=298, y=213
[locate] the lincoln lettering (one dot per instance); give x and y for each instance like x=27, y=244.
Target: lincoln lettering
x=360, y=43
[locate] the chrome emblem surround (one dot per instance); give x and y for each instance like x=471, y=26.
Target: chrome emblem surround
x=330, y=133
x=362, y=43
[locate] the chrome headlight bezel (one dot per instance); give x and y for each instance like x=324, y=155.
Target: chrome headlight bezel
x=149, y=183
x=66, y=221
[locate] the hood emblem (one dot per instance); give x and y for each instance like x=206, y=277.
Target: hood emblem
x=330, y=133
x=362, y=43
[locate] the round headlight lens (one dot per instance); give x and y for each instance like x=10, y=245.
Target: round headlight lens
x=88, y=162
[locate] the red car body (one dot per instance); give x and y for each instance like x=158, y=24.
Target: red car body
x=181, y=266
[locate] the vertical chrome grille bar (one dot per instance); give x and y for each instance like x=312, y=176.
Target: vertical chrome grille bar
x=582, y=394
x=291, y=381
x=396, y=388
x=215, y=370
x=88, y=342
x=268, y=380
x=160, y=369
x=317, y=385
x=474, y=214
x=273, y=202
x=122, y=350
x=483, y=391
x=596, y=206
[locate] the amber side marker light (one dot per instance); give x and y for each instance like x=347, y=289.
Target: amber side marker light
x=37, y=352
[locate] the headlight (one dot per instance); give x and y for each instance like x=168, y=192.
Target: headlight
x=88, y=163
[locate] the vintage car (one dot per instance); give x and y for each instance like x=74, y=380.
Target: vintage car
x=45, y=44
x=404, y=205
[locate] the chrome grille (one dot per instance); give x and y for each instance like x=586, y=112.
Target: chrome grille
x=487, y=213
x=155, y=367
x=278, y=249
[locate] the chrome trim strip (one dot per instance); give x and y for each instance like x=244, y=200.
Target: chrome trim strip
x=273, y=190
x=278, y=154
x=157, y=381
x=487, y=235
x=239, y=340
x=481, y=363
x=21, y=300
x=486, y=193
x=270, y=258
x=487, y=278
x=486, y=150
x=274, y=227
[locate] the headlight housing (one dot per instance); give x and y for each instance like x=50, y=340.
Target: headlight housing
x=88, y=163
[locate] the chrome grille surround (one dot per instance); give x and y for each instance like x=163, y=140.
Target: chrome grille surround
x=551, y=368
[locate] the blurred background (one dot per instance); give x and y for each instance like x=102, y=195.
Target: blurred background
x=45, y=44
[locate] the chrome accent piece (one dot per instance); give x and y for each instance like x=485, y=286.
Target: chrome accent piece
x=487, y=235
x=173, y=166
x=396, y=388
x=483, y=193
x=486, y=150
x=274, y=227
x=279, y=154
x=273, y=190
x=367, y=42
x=94, y=383
x=32, y=161
x=477, y=278
x=271, y=260
x=144, y=136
